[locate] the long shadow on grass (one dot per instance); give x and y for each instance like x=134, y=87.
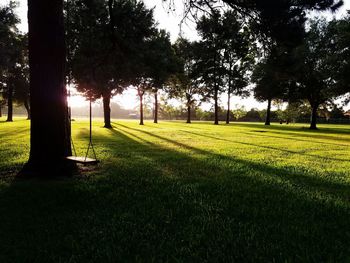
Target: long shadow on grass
x=153, y=203
x=291, y=175
x=316, y=136
x=266, y=147
x=344, y=130
x=292, y=131
x=296, y=137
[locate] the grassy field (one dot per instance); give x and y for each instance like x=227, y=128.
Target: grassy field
x=175, y=192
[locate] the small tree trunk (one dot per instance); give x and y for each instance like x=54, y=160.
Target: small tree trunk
x=106, y=97
x=141, y=108
x=10, y=104
x=0, y=111
x=268, y=113
x=26, y=105
x=188, y=112
x=216, y=107
x=313, y=125
x=156, y=107
x=228, y=106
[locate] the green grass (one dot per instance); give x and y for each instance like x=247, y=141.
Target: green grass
x=183, y=193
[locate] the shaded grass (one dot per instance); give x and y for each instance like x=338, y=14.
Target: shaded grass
x=178, y=192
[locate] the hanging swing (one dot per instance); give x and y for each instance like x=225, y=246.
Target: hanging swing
x=80, y=159
x=84, y=159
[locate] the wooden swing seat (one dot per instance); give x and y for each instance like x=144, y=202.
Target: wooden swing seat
x=82, y=160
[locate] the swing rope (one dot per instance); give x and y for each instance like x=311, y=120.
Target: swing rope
x=90, y=135
x=85, y=159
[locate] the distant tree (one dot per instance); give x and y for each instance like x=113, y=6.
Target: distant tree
x=184, y=84
x=20, y=75
x=141, y=92
x=238, y=55
x=17, y=84
x=2, y=104
x=252, y=115
x=162, y=63
x=9, y=53
x=105, y=38
x=239, y=112
x=144, y=85
x=269, y=82
x=209, y=65
x=336, y=112
x=316, y=81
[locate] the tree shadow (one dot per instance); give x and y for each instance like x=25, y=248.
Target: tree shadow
x=318, y=136
x=156, y=202
x=323, y=130
x=323, y=158
x=288, y=174
x=295, y=137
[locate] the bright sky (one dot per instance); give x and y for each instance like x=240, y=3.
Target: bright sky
x=170, y=21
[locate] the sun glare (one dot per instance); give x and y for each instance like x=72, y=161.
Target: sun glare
x=127, y=100
x=77, y=101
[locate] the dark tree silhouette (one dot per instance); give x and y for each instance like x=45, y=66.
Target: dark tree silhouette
x=9, y=54
x=279, y=20
x=339, y=30
x=209, y=65
x=49, y=140
x=163, y=64
x=238, y=58
x=19, y=78
x=184, y=85
x=141, y=90
x=316, y=79
x=270, y=82
x=104, y=40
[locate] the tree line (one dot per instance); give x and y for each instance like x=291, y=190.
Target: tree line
x=115, y=45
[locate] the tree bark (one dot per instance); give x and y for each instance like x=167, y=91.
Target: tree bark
x=188, y=112
x=10, y=104
x=156, y=107
x=141, y=108
x=313, y=124
x=26, y=105
x=228, y=106
x=49, y=132
x=216, y=107
x=268, y=112
x=106, y=98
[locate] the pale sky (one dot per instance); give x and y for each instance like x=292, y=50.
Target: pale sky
x=170, y=21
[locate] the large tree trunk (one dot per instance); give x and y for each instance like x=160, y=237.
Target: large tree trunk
x=216, y=107
x=156, y=107
x=313, y=123
x=26, y=105
x=268, y=112
x=49, y=140
x=106, y=98
x=228, y=106
x=141, y=108
x=10, y=104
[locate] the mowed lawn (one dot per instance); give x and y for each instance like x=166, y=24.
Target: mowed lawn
x=174, y=192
